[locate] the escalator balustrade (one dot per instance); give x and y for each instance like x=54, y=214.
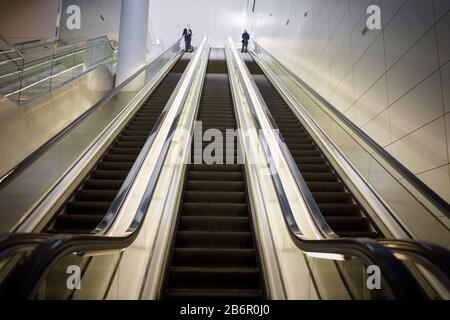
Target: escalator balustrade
x=338, y=206
x=86, y=208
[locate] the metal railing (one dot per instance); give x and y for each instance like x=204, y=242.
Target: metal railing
x=25, y=78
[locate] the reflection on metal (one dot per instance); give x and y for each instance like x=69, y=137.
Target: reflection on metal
x=326, y=256
x=271, y=269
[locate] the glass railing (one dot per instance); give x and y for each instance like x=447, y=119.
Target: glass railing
x=397, y=200
x=25, y=78
x=11, y=62
x=37, y=45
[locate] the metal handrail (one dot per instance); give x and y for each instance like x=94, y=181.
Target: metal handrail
x=23, y=281
x=425, y=190
x=70, y=48
x=46, y=60
x=369, y=251
x=2, y=39
x=52, y=57
x=15, y=243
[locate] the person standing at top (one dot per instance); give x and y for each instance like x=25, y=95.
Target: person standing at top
x=245, y=40
x=187, y=34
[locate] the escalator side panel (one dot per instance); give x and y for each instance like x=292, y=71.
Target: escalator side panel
x=88, y=205
x=339, y=207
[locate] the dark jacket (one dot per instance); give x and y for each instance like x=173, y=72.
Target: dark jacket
x=245, y=37
x=187, y=34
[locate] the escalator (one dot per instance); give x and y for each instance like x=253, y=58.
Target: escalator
x=213, y=253
x=342, y=212
x=86, y=208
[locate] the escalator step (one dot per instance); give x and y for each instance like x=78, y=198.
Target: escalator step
x=317, y=186
x=129, y=144
x=338, y=209
x=102, y=184
x=197, y=257
x=214, y=278
x=136, y=134
x=110, y=174
x=95, y=195
x=127, y=151
x=348, y=223
x=83, y=207
x=124, y=166
x=218, y=240
x=216, y=167
x=223, y=224
x=319, y=177
x=306, y=153
x=215, y=175
x=214, y=209
x=88, y=221
x=299, y=146
x=119, y=158
x=215, y=186
x=213, y=294
x=331, y=197
x=215, y=197
x=306, y=167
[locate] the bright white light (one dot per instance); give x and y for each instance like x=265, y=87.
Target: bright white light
x=326, y=256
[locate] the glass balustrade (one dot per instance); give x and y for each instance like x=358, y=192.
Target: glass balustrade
x=24, y=78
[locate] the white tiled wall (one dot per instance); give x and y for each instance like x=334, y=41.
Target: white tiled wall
x=393, y=83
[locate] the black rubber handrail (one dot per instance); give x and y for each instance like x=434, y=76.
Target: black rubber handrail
x=13, y=243
x=23, y=281
x=400, y=281
x=17, y=170
x=432, y=196
x=436, y=257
